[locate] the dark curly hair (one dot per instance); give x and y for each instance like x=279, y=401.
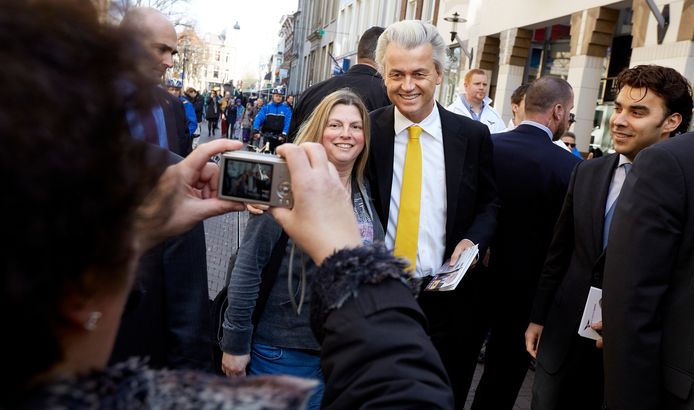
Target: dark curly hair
x=73, y=176
x=666, y=83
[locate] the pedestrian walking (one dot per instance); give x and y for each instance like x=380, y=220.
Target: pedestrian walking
x=212, y=113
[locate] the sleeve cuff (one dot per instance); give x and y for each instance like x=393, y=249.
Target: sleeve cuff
x=236, y=342
x=342, y=274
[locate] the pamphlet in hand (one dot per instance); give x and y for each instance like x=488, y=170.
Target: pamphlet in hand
x=592, y=313
x=448, y=277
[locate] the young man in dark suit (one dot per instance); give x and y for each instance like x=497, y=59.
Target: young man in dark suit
x=569, y=373
x=432, y=181
x=648, y=297
x=532, y=175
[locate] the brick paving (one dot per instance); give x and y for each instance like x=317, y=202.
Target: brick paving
x=222, y=236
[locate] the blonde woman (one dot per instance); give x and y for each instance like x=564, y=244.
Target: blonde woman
x=282, y=342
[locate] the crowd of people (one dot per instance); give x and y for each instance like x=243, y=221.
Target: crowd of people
x=327, y=301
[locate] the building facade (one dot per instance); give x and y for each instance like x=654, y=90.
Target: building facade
x=588, y=43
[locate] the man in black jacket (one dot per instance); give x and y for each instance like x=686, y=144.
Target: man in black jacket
x=167, y=317
x=362, y=78
x=648, y=296
x=532, y=174
x=650, y=106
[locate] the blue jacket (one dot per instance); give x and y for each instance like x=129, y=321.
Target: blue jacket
x=274, y=109
x=191, y=118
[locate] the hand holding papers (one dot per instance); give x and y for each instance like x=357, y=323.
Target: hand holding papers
x=448, y=277
x=592, y=313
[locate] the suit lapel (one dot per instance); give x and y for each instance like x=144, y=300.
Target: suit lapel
x=603, y=177
x=454, y=152
x=382, y=140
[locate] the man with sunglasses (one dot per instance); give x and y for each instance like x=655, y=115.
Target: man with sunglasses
x=568, y=139
x=653, y=103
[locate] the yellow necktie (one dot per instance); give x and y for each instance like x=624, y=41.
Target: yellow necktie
x=407, y=231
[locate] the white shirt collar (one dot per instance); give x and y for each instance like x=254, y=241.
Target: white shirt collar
x=430, y=124
x=623, y=160
x=540, y=126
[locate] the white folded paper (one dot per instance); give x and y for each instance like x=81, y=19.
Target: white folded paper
x=592, y=313
x=448, y=277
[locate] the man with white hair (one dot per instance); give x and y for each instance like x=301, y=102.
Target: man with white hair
x=473, y=101
x=432, y=181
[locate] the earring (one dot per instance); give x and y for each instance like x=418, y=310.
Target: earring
x=90, y=324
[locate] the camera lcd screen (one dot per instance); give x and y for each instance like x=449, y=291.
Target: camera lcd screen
x=247, y=180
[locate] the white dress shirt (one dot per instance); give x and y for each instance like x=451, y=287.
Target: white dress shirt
x=618, y=178
x=544, y=128
x=431, y=241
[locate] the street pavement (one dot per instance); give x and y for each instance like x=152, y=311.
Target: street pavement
x=223, y=234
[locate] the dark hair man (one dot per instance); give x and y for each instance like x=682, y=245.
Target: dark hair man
x=362, y=78
x=517, y=106
x=198, y=104
x=432, y=181
x=570, y=367
x=648, y=299
x=532, y=175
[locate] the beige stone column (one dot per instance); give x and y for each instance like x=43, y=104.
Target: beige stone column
x=513, y=46
x=591, y=35
x=677, y=49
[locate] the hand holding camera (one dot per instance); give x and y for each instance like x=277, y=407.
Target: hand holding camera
x=185, y=194
x=255, y=178
x=321, y=219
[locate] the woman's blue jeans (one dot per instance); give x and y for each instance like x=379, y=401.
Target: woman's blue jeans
x=267, y=359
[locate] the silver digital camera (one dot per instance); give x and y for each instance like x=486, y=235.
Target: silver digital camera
x=255, y=178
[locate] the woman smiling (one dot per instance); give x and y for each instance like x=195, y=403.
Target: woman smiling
x=282, y=342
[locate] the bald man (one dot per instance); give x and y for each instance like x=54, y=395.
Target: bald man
x=167, y=126
x=167, y=317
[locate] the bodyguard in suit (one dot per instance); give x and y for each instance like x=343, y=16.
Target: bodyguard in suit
x=569, y=372
x=532, y=175
x=362, y=78
x=432, y=182
x=648, y=296
x=167, y=317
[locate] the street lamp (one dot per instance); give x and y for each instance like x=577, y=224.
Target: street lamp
x=454, y=36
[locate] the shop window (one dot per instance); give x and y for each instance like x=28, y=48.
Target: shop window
x=550, y=53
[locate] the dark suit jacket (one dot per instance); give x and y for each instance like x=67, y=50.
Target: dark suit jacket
x=177, y=133
x=364, y=80
x=470, y=189
x=532, y=176
x=167, y=317
x=574, y=261
x=648, y=304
